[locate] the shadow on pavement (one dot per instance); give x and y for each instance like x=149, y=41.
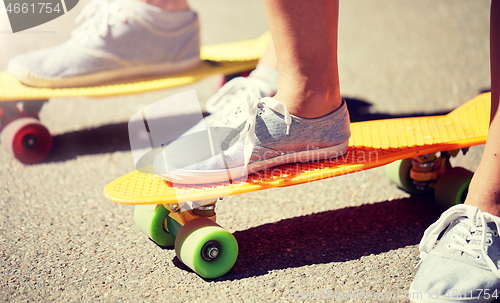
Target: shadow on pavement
x=104, y=139
x=332, y=236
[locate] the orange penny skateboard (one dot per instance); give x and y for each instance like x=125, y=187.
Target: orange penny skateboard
x=415, y=150
x=24, y=136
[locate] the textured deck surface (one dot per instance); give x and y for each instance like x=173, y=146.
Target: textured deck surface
x=372, y=144
x=227, y=58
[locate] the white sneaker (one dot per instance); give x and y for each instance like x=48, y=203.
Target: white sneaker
x=119, y=39
x=464, y=266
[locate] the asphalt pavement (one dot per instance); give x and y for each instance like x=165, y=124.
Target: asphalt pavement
x=352, y=236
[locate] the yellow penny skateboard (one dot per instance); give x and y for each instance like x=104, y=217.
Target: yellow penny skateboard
x=24, y=136
x=415, y=150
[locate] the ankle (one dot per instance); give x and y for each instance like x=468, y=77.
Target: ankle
x=484, y=189
x=484, y=204
x=483, y=197
x=310, y=106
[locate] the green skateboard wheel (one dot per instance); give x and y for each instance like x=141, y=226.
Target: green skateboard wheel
x=206, y=248
x=150, y=220
x=452, y=187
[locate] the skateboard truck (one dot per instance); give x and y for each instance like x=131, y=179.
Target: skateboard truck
x=427, y=169
x=177, y=218
x=422, y=173
x=13, y=110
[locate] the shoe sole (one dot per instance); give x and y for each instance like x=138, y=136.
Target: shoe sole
x=215, y=176
x=100, y=78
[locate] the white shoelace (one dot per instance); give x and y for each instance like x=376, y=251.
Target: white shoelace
x=246, y=108
x=98, y=15
x=235, y=87
x=477, y=221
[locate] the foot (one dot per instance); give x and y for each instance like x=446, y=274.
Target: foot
x=252, y=135
x=464, y=265
x=262, y=81
x=119, y=39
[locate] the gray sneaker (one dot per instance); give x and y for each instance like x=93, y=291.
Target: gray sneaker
x=252, y=135
x=464, y=265
x=119, y=39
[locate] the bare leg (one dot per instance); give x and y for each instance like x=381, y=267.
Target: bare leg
x=484, y=191
x=169, y=5
x=305, y=38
